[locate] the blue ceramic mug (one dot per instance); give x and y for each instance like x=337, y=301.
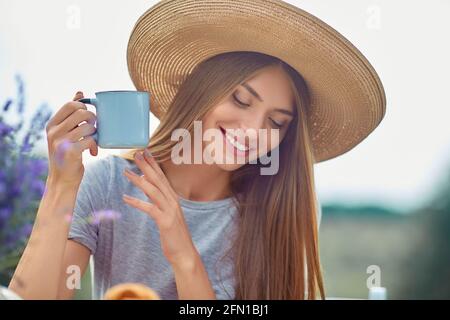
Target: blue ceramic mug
x=122, y=118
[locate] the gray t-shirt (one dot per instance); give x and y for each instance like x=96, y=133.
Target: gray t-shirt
x=125, y=242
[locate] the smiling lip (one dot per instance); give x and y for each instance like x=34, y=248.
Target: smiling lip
x=235, y=150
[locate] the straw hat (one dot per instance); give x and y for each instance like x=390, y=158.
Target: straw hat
x=173, y=36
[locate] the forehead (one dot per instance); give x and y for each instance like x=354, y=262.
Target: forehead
x=274, y=87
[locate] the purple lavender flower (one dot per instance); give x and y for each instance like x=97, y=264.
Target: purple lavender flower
x=15, y=190
x=35, y=131
x=5, y=129
x=25, y=231
x=3, y=185
x=7, y=105
x=19, y=234
x=61, y=151
x=101, y=215
x=3, y=190
x=21, y=94
x=5, y=214
x=21, y=177
x=38, y=167
x=26, y=145
x=38, y=186
x=19, y=126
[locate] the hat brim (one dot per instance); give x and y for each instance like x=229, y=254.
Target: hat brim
x=347, y=97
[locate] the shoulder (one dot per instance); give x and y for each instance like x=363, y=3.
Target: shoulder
x=107, y=165
x=118, y=164
x=103, y=172
x=102, y=177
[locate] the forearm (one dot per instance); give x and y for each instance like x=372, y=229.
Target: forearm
x=38, y=273
x=193, y=282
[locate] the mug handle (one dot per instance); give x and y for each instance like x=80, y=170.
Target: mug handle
x=91, y=101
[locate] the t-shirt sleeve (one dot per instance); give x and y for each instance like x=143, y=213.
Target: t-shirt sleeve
x=91, y=197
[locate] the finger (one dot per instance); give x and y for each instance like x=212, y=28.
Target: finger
x=154, y=164
x=83, y=130
x=65, y=149
x=93, y=149
x=152, y=192
x=87, y=142
x=151, y=175
x=152, y=210
x=74, y=120
x=65, y=111
x=154, y=174
x=78, y=95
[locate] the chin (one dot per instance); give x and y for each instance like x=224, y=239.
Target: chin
x=229, y=167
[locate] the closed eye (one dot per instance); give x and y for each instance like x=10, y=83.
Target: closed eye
x=279, y=125
x=240, y=103
x=245, y=105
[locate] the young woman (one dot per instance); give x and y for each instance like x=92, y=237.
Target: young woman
x=216, y=230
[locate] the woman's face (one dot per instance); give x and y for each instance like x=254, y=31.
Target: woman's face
x=251, y=114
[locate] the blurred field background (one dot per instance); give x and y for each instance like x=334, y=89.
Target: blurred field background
x=411, y=249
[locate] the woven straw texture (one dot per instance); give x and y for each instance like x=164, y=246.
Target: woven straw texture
x=347, y=97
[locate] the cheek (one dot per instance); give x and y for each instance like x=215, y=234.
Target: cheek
x=227, y=112
x=275, y=138
x=221, y=112
x=271, y=140
x=268, y=142
x=215, y=116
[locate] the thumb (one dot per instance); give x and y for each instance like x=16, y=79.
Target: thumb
x=78, y=95
x=93, y=148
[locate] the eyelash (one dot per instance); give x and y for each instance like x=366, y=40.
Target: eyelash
x=244, y=105
x=239, y=103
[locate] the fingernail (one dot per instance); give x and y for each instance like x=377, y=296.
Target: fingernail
x=147, y=153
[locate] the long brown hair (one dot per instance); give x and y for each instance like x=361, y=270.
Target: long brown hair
x=275, y=250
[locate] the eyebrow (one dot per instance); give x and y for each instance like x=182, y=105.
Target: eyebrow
x=257, y=96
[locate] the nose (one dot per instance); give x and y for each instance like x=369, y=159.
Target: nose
x=250, y=129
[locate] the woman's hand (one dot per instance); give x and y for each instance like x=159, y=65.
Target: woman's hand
x=65, y=148
x=176, y=241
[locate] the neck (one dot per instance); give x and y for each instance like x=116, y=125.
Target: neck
x=197, y=182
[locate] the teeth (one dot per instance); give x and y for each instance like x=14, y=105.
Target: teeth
x=236, y=144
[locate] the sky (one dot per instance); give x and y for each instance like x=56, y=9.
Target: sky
x=60, y=47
